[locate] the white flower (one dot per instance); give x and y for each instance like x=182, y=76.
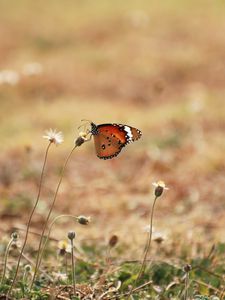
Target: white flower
x=32, y=69
x=9, y=77
x=53, y=136
x=160, y=186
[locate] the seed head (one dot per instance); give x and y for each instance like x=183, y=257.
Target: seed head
x=113, y=240
x=187, y=268
x=83, y=220
x=63, y=247
x=71, y=235
x=159, y=188
x=27, y=268
x=53, y=136
x=81, y=138
x=15, y=236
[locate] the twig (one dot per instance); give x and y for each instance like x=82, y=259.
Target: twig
x=134, y=290
x=207, y=271
x=206, y=284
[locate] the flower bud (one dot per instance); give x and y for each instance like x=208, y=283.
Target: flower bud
x=15, y=236
x=27, y=268
x=113, y=240
x=83, y=220
x=79, y=141
x=159, y=188
x=71, y=235
x=187, y=268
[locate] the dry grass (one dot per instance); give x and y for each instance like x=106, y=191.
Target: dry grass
x=159, y=67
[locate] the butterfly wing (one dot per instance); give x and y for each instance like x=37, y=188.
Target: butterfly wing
x=111, y=138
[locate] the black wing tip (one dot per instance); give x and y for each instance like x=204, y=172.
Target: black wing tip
x=140, y=134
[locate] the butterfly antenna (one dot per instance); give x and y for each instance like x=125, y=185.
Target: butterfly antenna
x=85, y=124
x=85, y=120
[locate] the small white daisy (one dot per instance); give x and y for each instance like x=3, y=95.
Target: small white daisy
x=53, y=136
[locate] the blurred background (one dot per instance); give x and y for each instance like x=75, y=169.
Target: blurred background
x=155, y=65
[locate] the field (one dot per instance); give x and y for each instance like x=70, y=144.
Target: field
x=156, y=65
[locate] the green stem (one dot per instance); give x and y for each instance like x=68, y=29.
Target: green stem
x=30, y=218
x=48, y=216
x=5, y=260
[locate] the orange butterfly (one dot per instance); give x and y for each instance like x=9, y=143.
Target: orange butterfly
x=109, y=139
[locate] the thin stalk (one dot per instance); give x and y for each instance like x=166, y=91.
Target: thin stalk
x=147, y=247
x=30, y=218
x=73, y=268
x=48, y=235
x=186, y=286
x=5, y=260
x=33, y=264
x=49, y=214
x=222, y=294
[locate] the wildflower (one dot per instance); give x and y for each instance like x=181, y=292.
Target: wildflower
x=187, y=268
x=83, y=220
x=15, y=240
x=53, y=136
x=28, y=268
x=71, y=235
x=81, y=138
x=159, y=237
x=160, y=186
x=113, y=240
x=15, y=236
x=32, y=69
x=64, y=248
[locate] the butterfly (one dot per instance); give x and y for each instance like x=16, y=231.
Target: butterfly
x=109, y=139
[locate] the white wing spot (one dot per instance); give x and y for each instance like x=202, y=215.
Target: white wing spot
x=129, y=133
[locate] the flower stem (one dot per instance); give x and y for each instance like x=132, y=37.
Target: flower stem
x=49, y=214
x=49, y=232
x=73, y=267
x=148, y=244
x=186, y=286
x=5, y=260
x=147, y=247
x=30, y=218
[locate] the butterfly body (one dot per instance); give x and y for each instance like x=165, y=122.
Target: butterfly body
x=109, y=139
